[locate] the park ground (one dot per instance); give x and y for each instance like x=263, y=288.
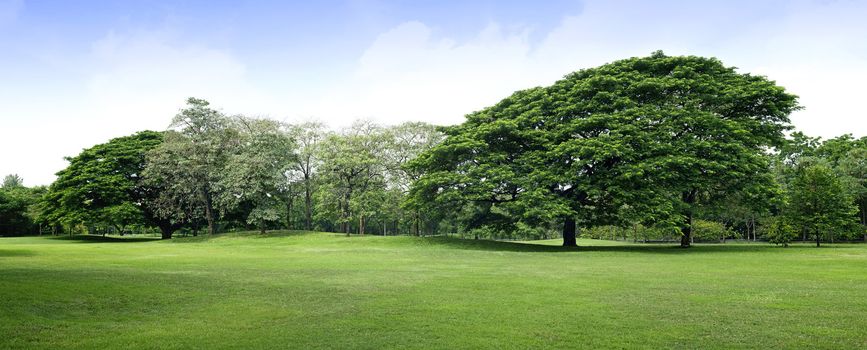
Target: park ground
x=319, y=290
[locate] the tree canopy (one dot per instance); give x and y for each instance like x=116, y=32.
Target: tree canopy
x=637, y=139
x=104, y=184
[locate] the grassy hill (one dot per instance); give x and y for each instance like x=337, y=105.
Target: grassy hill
x=318, y=290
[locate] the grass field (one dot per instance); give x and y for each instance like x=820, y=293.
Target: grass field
x=318, y=290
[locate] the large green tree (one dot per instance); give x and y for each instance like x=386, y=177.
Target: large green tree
x=256, y=172
x=638, y=139
x=307, y=137
x=103, y=185
x=189, y=164
x=405, y=142
x=352, y=170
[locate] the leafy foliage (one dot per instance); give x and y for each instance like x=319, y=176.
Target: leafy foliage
x=634, y=140
x=103, y=184
x=819, y=203
x=781, y=232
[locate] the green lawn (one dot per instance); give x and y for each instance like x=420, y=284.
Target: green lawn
x=322, y=290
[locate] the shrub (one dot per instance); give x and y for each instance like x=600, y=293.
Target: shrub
x=781, y=232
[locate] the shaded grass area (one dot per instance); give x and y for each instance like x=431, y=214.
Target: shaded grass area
x=102, y=239
x=320, y=290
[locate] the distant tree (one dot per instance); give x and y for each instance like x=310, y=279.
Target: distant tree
x=779, y=231
x=256, y=171
x=103, y=185
x=352, y=165
x=14, y=204
x=12, y=181
x=854, y=167
x=405, y=142
x=190, y=162
x=308, y=137
x=819, y=202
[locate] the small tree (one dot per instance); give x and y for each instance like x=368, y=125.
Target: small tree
x=819, y=202
x=12, y=181
x=780, y=232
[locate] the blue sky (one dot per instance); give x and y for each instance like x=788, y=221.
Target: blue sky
x=77, y=73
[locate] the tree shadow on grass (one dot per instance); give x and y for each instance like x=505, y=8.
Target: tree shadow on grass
x=241, y=234
x=650, y=248
x=8, y=253
x=104, y=239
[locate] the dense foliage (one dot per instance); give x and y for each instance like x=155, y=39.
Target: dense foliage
x=655, y=148
x=639, y=140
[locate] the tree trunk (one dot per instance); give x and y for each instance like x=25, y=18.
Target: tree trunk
x=417, y=219
x=569, y=229
x=686, y=229
x=346, y=213
x=686, y=232
x=863, y=211
x=308, y=205
x=289, y=212
x=817, y=237
x=166, y=230
x=209, y=212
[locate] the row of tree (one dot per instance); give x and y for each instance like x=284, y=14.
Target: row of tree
x=18, y=205
x=215, y=172
x=655, y=147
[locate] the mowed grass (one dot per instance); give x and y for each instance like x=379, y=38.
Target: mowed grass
x=318, y=290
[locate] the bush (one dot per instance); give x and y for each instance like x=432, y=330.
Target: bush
x=781, y=232
x=711, y=230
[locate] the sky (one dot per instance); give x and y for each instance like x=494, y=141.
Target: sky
x=78, y=73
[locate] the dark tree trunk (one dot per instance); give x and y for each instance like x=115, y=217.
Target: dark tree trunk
x=289, y=213
x=417, y=223
x=686, y=229
x=817, y=237
x=569, y=228
x=262, y=227
x=209, y=212
x=862, y=208
x=166, y=229
x=346, y=213
x=308, y=205
x=686, y=233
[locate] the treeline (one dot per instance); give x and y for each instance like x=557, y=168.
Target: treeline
x=19, y=206
x=818, y=190
x=653, y=148
x=212, y=172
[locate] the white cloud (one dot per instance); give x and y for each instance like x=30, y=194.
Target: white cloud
x=410, y=74
x=143, y=79
x=816, y=50
x=132, y=82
